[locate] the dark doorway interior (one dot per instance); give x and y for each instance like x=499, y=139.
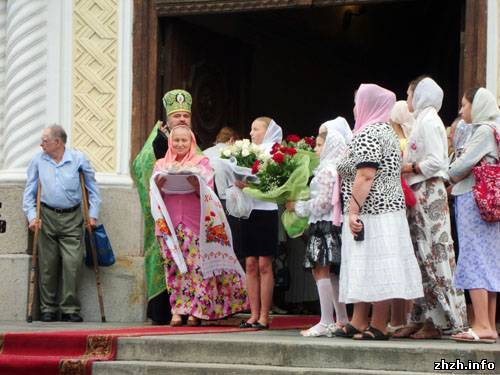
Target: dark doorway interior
x=301, y=66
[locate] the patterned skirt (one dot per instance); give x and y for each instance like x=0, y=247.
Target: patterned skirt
x=429, y=220
x=478, y=265
x=323, y=246
x=190, y=294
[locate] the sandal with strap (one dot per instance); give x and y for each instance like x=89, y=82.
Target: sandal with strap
x=245, y=324
x=259, y=326
x=473, y=337
x=347, y=332
x=319, y=330
x=372, y=333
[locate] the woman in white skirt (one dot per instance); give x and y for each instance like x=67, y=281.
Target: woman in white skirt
x=378, y=261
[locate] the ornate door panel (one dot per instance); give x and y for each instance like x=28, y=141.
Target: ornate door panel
x=213, y=68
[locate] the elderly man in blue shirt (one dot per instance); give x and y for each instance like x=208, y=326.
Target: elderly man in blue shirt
x=61, y=240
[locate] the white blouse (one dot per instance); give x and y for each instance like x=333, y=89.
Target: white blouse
x=319, y=207
x=428, y=147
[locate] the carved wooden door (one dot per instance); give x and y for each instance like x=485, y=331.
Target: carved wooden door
x=213, y=68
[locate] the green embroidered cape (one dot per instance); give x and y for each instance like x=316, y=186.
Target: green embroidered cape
x=142, y=168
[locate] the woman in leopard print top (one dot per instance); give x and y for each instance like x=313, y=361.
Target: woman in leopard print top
x=382, y=266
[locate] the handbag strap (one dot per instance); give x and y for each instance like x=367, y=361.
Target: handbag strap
x=496, y=137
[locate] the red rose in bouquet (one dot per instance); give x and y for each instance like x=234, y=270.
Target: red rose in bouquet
x=255, y=166
x=310, y=141
x=293, y=138
x=278, y=157
x=276, y=148
x=294, y=141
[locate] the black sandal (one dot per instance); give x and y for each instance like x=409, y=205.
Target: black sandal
x=245, y=324
x=260, y=326
x=372, y=333
x=349, y=332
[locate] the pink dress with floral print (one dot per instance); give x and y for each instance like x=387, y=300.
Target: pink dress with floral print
x=190, y=294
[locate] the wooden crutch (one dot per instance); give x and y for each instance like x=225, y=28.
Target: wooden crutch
x=34, y=258
x=93, y=249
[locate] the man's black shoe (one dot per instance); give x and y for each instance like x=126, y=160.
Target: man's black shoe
x=47, y=317
x=72, y=317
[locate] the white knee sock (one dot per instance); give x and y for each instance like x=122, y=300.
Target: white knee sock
x=340, y=310
x=325, y=292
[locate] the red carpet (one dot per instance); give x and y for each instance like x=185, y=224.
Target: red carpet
x=72, y=352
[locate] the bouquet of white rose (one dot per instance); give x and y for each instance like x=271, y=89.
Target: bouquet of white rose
x=244, y=153
x=242, y=156
x=237, y=161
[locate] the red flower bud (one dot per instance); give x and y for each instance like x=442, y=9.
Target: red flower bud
x=275, y=148
x=279, y=158
x=290, y=151
x=293, y=138
x=255, y=166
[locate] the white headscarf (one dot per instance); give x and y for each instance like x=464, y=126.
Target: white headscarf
x=273, y=135
x=402, y=116
x=334, y=148
x=340, y=125
x=484, y=107
x=427, y=94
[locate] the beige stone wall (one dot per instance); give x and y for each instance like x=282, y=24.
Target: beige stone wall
x=95, y=51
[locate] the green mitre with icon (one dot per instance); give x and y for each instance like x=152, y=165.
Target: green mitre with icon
x=177, y=101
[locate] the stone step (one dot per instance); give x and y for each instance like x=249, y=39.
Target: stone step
x=181, y=368
x=286, y=349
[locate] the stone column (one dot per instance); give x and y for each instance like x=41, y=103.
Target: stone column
x=3, y=39
x=23, y=94
x=25, y=80
x=24, y=115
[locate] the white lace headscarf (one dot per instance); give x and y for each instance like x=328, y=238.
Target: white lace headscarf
x=340, y=125
x=334, y=148
x=273, y=135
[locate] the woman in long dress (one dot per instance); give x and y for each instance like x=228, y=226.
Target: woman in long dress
x=478, y=267
x=425, y=169
x=202, y=283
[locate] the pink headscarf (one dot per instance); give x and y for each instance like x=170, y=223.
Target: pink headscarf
x=373, y=104
x=190, y=159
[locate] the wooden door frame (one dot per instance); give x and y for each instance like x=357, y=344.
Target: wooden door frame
x=145, y=46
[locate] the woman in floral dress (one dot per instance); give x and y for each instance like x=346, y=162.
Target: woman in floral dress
x=194, y=293
x=425, y=168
